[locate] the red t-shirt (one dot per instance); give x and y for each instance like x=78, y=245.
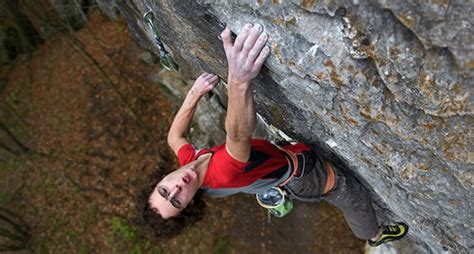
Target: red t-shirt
x=266, y=168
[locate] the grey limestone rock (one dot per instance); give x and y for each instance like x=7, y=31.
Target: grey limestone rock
x=71, y=11
x=108, y=7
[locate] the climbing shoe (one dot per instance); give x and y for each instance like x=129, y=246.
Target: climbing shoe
x=391, y=233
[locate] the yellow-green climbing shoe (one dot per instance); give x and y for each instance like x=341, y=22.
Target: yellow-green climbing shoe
x=391, y=233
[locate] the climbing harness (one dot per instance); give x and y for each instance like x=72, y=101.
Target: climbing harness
x=165, y=57
x=275, y=199
x=292, y=162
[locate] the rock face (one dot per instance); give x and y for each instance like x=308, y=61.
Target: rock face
x=71, y=11
x=379, y=86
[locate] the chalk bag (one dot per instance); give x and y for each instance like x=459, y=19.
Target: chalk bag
x=275, y=201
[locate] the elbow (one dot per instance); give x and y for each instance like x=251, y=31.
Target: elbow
x=170, y=139
x=175, y=140
x=236, y=134
x=236, y=137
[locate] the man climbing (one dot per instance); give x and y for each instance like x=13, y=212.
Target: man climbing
x=243, y=164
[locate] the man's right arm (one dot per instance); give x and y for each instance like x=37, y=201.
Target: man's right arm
x=245, y=58
x=180, y=126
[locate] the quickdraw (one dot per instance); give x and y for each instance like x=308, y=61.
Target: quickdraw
x=165, y=58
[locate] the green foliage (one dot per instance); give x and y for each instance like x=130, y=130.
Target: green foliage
x=79, y=246
x=122, y=230
x=5, y=197
x=66, y=166
x=221, y=246
x=57, y=224
x=40, y=246
x=10, y=170
x=14, y=97
x=127, y=238
x=11, y=164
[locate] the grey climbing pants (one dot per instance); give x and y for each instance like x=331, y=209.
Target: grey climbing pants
x=348, y=194
x=351, y=197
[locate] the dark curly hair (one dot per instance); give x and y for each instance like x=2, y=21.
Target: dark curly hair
x=153, y=224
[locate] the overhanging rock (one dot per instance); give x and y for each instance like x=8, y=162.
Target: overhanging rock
x=381, y=86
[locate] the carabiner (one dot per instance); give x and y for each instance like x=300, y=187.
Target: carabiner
x=165, y=58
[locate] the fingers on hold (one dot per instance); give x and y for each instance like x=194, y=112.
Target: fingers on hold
x=248, y=26
x=257, y=48
x=226, y=37
x=257, y=29
x=205, y=75
x=202, y=76
x=253, y=37
x=266, y=50
x=213, y=79
x=239, y=42
x=262, y=56
x=210, y=84
x=210, y=75
x=225, y=34
x=262, y=39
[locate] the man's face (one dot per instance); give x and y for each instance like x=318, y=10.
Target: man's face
x=174, y=192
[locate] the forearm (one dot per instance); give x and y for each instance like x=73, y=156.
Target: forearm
x=245, y=57
x=179, y=128
x=182, y=120
x=240, y=119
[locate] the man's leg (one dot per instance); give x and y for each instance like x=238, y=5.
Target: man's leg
x=354, y=201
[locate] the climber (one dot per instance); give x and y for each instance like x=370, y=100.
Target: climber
x=242, y=164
